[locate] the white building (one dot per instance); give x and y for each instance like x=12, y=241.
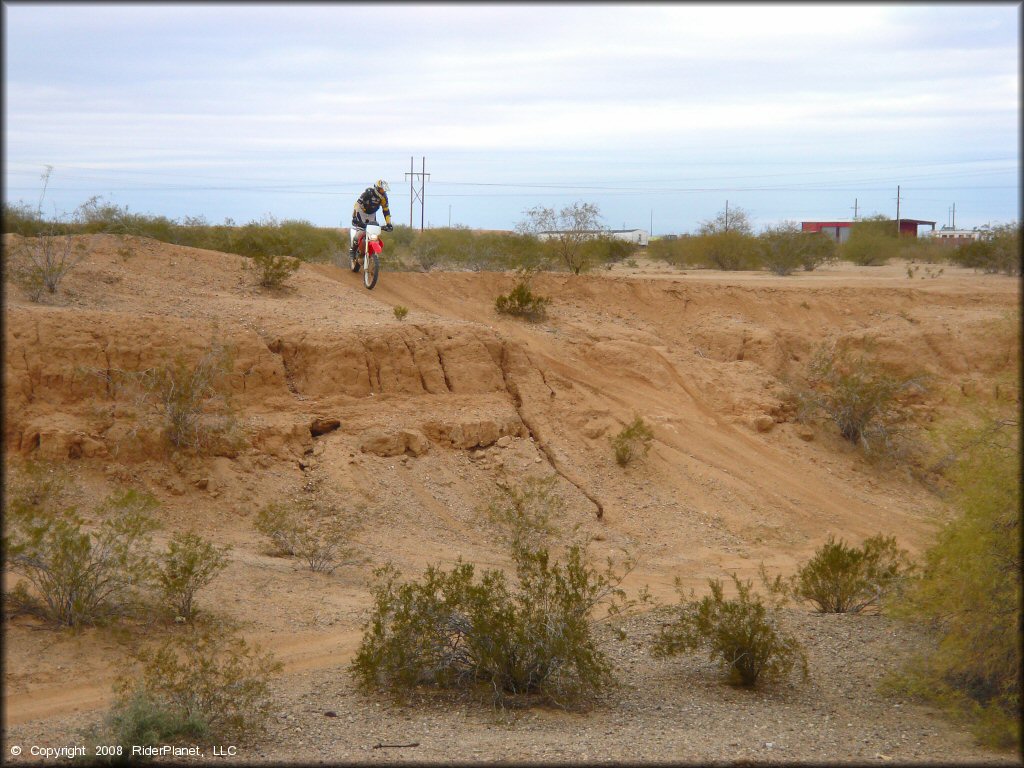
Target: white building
x=951, y=236
x=638, y=236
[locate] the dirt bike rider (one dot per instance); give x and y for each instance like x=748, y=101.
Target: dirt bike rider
x=365, y=212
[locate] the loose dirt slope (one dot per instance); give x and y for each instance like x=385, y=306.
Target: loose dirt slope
x=437, y=409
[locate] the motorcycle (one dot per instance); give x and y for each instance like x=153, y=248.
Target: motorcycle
x=369, y=247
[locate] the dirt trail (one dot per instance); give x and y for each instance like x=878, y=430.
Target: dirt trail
x=436, y=410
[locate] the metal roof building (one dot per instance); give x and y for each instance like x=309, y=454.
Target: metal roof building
x=840, y=230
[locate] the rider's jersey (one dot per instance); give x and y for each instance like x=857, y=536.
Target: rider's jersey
x=371, y=200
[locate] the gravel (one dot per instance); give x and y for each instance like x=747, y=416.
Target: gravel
x=666, y=710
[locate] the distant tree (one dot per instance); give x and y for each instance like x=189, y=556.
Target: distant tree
x=570, y=230
x=728, y=220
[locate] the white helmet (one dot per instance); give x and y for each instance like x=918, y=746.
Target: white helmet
x=381, y=186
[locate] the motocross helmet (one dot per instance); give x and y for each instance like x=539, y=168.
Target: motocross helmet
x=381, y=186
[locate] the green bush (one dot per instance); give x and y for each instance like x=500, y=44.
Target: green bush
x=727, y=250
x=204, y=683
x=969, y=595
x=526, y=512
x=280, y=523
x=311, y=531
x=1000, y=254
x=522, y=302
x=139, y=719
x=741, y=634
x=873, y=242
x=859, y=396
x=80, y=576
x=22, y=219
x=451, y=631
x=844, y=579
x=266, y=237
x=632, y=442
x=188, y=565
x=401, y=312
x=786, y=248
x=273, y=270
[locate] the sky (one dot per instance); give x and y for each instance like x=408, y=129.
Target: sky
x=661, y=114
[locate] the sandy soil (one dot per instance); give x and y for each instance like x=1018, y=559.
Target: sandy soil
x=436, y=409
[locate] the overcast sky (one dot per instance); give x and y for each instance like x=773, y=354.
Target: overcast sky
x=655, y=112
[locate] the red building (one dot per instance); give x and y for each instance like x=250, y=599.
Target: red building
x=840, y=230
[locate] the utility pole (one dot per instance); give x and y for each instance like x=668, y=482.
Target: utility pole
x=726, y=215
x=897, y=210
x=855, y=209
x=413, y=194
x=411, y=191
x=954, y=215
x=449, y=215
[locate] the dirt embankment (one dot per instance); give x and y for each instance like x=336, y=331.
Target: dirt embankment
x=433, y=411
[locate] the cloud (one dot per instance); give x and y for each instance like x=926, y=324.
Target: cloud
x=506, y=90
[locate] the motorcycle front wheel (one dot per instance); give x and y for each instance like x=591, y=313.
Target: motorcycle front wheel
x=371, y=270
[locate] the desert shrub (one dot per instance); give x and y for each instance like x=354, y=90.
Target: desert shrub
x=928, y=250
x=604, y=251
x=38, y=265
x=205, y=683
x=859, y=396
x=816, y=250
x=280, y=523
x=325, y=544
x=522, y=302
x=265, y=237
x=139, y=719
x=451, y=631
x=669, y=250
x=425, y=251
x=40, y=486
x=80, y=575
x=22, y=219
x=726, y=250
x=968, y=595
x=401, y=312
x=845, y=579
x=780, y=248
x=314, y=532
x=531, y=635
x=188, y=565
x=873, y=241
x=194, y=400
x=632, y=442
x=272, y=270
x=998, y=254
x=527, y=511
x=785, y=248
x=742, y=634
